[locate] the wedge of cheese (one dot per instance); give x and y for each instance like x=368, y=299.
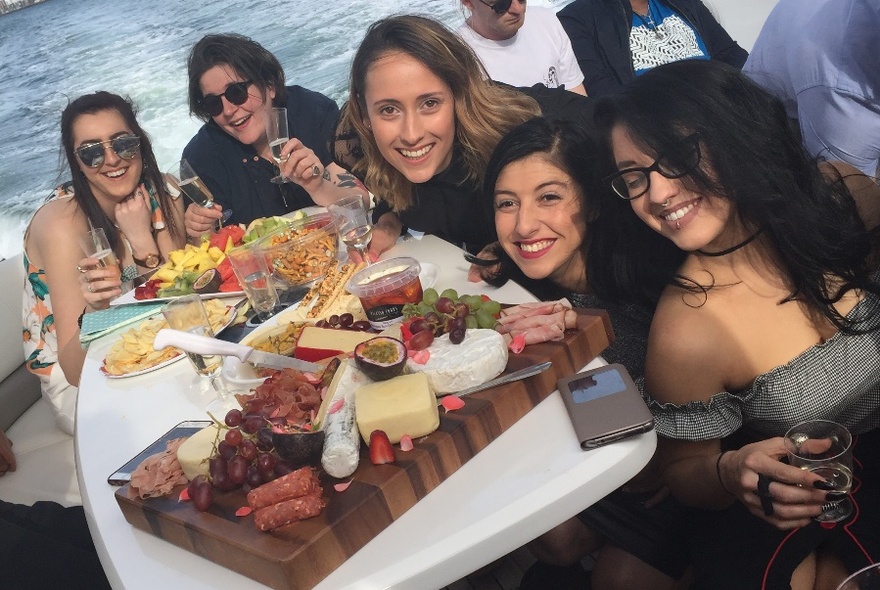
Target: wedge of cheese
x=315, y=344
x=196, y=451
x=481, y=356
x=403, y=405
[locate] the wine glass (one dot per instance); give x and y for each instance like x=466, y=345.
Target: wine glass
x=187, y=314
x=825, y=448
x=865, y=579
x=188, y=182
x=278, y=135
x=353, y=223
x=249, y=264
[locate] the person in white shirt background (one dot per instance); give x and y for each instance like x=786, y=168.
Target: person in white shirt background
x=518, y=51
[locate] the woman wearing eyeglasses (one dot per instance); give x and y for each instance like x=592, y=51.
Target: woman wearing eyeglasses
x=116, y=186
x=233, y=84
x=771, y=319
x=421, y=124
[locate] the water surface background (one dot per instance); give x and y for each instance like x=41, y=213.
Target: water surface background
x=61, y=49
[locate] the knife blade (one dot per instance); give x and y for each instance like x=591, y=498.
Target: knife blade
x=206, y=345
x=509, y=378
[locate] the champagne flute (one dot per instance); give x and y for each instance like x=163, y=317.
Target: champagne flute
x=96, y=245
x=188, y=182
x=825, y=448
x=353, y=223
x=277, y=134
x=187, y=314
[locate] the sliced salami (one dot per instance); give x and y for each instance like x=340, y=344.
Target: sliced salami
x=283, y=513
x=297, y=483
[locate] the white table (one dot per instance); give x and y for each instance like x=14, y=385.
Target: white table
x=529, y=479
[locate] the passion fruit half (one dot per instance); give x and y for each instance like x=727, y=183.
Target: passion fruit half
x=208, y=282
x=381, y=358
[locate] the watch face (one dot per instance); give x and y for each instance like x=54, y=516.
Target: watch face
x=152, y=261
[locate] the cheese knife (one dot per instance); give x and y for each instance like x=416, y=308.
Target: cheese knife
x=509, y=378
x=209, y=346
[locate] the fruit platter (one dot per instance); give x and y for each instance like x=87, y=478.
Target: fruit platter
x=312, y=466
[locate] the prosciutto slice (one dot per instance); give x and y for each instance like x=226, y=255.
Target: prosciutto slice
x=159, y=473
x=543, y=321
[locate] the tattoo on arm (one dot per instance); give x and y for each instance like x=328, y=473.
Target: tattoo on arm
x=348, y=180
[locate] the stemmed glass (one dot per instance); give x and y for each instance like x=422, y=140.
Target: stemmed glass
x=189, y=183
x=865, y=579
x=825, y=448
x=353, y=223
x=278, y=135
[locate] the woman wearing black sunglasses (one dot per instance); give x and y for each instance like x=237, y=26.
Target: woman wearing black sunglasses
x=233, y=84
x=116, y=186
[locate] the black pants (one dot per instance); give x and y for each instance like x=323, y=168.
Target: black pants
x=47, y=546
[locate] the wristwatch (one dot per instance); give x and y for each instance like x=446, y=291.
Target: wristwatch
x=151, y=261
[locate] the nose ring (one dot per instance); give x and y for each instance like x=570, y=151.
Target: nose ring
x=666, y=203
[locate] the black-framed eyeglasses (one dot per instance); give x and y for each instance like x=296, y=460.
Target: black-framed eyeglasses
x=499, y=7
x=236, y=94
x=632, y=183
x=125, y=146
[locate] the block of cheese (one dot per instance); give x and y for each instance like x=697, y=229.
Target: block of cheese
x=315, y=344
x=481, y=356
x=403, y=405
x=195, y=452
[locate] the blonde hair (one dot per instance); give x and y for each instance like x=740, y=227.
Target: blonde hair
x=484, y=111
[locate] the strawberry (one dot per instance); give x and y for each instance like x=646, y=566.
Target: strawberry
x=381, y=450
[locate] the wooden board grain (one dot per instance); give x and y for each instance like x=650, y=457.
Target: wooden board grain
x=302, y=554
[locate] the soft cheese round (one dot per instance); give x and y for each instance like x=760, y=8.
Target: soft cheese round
x=481, y=356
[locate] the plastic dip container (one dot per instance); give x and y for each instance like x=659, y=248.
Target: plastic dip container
x=385, y=287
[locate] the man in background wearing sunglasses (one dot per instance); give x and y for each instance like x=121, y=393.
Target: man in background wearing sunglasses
x=520, y=52
x=234, y=83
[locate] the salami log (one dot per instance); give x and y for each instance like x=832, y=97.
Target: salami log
x=283, y=513
x=293, y=485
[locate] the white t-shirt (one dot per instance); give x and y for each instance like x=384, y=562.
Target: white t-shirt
x=540, y=52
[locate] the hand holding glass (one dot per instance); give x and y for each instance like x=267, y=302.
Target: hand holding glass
x=353, y=223
x=278, y=135
x=250, y=266
x=95, y=245
x=189, y=183
x=825, y=448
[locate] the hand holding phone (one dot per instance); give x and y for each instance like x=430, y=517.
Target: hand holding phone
x=604, y=406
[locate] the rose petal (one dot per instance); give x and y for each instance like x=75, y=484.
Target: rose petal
x=312, y=378
x=421, y=357
x=243, y=511
x=184, y=495
x=518, y=343
x=341, y=487
x=406, y=443
x=336, y=406
x=451, y=403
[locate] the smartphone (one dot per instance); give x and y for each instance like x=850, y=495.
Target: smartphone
x=604, y=406
x=122, y=476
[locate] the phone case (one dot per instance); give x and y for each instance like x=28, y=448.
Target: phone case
x=604, y=406
x=122, y=476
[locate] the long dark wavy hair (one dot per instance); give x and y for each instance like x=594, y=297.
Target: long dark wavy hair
x=752, y=158
x=246, y=57
x=572, y=149
x=90, y=104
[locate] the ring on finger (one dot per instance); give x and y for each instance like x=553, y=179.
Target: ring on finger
x=91, y=289
x=763, y=492
x=80, y=269
x=316, y=170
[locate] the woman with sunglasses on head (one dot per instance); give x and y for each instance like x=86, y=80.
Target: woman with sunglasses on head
x=420, y=125
x=770, y=320
x=233, y=85
x=117, y=187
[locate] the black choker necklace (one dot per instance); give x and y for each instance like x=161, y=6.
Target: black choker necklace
x=734, y=248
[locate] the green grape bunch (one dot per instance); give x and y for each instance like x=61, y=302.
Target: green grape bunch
x=448, y=313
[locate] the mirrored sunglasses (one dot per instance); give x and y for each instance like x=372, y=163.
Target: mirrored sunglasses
x=236, y=94
x=125, y=146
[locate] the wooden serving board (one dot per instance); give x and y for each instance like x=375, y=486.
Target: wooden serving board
x=300, y=555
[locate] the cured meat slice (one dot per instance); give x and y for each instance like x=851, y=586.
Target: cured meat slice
x=293, y=485
x=158, y=474
x=283, y=513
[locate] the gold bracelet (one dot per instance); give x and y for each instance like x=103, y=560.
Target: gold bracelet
x=718, y=473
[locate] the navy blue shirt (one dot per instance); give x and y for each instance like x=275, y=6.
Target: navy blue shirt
x=240, y=179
